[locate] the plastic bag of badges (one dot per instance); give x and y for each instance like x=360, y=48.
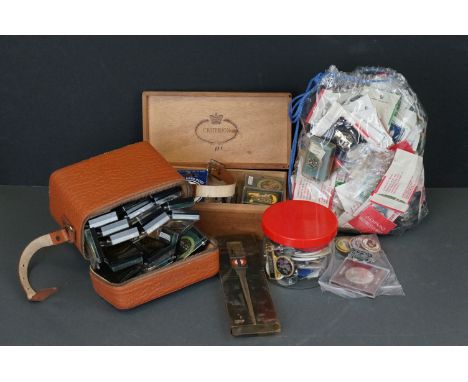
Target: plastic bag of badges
x=358, y=267
x=358, y=149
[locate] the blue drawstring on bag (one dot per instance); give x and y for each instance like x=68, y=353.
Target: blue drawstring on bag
x=295, y=111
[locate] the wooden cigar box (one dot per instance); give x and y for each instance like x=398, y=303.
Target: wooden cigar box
x=250, y=133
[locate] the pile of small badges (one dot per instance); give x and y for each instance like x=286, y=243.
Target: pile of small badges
x=288, y=266
x=360, y=268
x=358, y=247
x=361, y=150
x=143, y=235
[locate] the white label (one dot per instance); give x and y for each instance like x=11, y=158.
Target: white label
x=366, y=121
x=399, y=182
x=317, y=150
x=385, y=103
x=406, y=117
x=165, y=236
x=333, y=114
x=325, y=100
x=250, y=180
x=313, y=190
x=346, y=194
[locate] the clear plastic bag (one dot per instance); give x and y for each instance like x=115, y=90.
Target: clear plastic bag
x=358, y=267
x=360, y=149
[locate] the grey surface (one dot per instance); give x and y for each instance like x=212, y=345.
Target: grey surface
x=431, y=262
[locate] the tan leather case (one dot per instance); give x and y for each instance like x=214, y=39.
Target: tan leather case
x=94, y=186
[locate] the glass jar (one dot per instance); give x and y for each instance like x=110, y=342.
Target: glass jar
x=297, y=244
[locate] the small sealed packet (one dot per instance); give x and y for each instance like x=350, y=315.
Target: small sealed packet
x=399, y=182
x=360, y=276
x=318, y=160
x=359, y=267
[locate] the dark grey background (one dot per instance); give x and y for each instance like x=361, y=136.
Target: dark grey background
x=63, y=99
x=430, y=261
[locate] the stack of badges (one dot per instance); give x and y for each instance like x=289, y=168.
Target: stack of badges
x=364, y=249
x=288, y=266
x=262, y=190
x=143, y=235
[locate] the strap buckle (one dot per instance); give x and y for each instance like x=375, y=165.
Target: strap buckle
x=215, y=168
x=70, y=231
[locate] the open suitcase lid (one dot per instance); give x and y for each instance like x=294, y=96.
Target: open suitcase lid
x=241, y=130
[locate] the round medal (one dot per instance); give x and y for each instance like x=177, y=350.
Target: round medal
x=359, y=275
x=355, y=242
x=285, y=266
x=342, y=244
x=371, y=245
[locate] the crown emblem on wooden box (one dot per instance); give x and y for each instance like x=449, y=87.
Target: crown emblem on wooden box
x=216, y=118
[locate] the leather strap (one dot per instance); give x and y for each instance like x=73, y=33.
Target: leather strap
x=53, y=238
x=226, y=190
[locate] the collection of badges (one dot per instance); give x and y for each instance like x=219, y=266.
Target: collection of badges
x=288, y=266
x=361, y=150
x=360, y=268
x=143, y=235
x=158, y=230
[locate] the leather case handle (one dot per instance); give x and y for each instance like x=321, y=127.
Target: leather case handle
x=53, y=238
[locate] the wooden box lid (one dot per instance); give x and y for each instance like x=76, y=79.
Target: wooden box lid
x=241, y=130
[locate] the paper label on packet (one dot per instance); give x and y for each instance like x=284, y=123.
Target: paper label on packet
x=404, y=124
x=366, y=120
x=371, y=221
x=399, y=182
x=347, y=216
x=386, y=105
x=317, y=150
x=335, y=112
x=325, y=99
x=348, y=201
x=406, y=116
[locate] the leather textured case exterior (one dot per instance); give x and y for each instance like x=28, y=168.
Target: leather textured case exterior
x=158, y=283
x=93, y=186
x=78, y=191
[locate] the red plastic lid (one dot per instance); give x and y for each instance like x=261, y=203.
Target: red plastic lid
x=299, y=224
